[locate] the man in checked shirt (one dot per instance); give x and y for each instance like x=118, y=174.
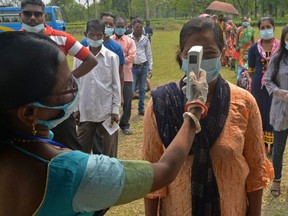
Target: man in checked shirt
x=143, y=62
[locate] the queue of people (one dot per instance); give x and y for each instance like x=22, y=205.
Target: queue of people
x=203, y=147
x=261, y=71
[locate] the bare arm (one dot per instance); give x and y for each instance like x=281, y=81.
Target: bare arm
x=151, y=206
x=255, y=200
x=85, y=67
x=169, y=165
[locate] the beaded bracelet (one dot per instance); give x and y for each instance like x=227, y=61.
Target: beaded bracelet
x=195, y=120
x=193, y=104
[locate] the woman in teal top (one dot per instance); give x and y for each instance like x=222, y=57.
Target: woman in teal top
x=39, y=176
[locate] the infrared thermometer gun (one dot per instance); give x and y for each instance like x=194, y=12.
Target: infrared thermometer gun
x=194, y=61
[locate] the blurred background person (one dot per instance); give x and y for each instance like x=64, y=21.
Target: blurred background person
x=259, y=56
x=244, y=39
x=276, y=82
x=142, y=66
x=129, y=50
x=148, y=30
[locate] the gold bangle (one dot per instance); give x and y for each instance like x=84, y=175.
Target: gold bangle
x=195, y=120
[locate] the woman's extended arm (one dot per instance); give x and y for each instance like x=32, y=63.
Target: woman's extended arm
x=167, y=168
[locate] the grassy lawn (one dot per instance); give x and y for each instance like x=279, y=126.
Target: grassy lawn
x=165, y=70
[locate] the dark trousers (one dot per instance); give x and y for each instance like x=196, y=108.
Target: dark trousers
x=280, y=138
x=127, y=95
x=93, y=136
x=65, y=133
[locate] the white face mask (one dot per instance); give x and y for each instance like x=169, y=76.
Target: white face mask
x=68, y=109
x=35, y=29
x=109, y=31
x=267, y=34
x=93, y=43
x=211, y=66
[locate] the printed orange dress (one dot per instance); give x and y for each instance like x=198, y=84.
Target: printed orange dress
x=238, y=159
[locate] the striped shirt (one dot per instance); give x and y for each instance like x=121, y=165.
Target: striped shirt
x=68, y=44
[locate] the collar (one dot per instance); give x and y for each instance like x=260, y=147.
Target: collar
x=48, y=29
x=114, y=37
x=102, y=51
x=134, y=38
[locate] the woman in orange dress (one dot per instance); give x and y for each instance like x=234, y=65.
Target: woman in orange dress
x=227, y=166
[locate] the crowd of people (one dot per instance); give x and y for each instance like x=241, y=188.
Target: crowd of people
x=260, y=69
x=204, y=138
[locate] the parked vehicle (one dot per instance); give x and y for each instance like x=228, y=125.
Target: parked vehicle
x=10, y=19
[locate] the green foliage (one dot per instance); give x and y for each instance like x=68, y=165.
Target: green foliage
x=73, y=11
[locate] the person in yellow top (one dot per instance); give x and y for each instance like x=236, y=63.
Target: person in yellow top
x=227, y=167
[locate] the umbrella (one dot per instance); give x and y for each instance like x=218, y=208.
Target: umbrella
x=222, y=6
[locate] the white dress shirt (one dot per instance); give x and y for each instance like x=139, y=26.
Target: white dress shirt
x=100, y=89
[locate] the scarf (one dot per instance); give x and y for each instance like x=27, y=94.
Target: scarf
x=168, y=103
x=265, y=59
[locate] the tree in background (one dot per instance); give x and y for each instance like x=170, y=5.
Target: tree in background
x=73, y=10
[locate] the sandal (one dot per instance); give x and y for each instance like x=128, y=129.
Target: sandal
x=275, y=191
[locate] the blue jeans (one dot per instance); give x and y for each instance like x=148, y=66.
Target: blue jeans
x=277, y=152
x=140, y=76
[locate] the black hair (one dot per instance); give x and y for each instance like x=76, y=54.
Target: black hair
x=270, y=19
x=137, y=21
x=122, y=18
x=195, y=26
x=133, y=17
x=33, y=2
x=282, y=53
x=95, y=24
x=28, y=66
x=108, y=14
x=221, y=18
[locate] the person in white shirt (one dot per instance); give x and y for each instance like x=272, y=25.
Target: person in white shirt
x=100, y=96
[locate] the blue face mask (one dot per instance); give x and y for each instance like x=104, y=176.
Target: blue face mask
x=120, y=31
x=184, y=66
x=93, y=43
x=35, y=29
x=109, y=31
x=267, y=34
x=211, y=66
x=245, y=56
x=245, y=23
x=230, y=21
x=68, y=109
x=286, y=42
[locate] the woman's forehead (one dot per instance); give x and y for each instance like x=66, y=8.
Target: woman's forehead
x=205, y=39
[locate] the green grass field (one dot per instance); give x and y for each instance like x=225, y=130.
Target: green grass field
x=165, y=70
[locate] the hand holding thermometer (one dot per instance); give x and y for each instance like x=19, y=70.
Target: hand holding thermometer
x=194, y=61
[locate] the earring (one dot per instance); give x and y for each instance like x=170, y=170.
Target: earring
x=33, y=130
